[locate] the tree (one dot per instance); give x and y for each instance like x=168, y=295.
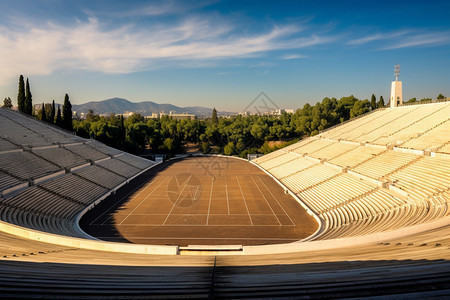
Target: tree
x=440, y=97
x=360, y=107
x=373, y=102
x=214, y=119
x=58, y=121
x=229, y=149
x=43, y=116
x=51, y=117
x=21, y=95
x=67, y=114
x=7, y=103
x=412, y=100
x=381, y=102
x=28, y=107
x=122, y=133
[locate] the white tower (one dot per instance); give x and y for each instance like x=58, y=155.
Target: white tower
x=396, y=89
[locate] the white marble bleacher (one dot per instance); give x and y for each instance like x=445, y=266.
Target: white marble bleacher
x=118, y=167
x=432, y=139
x=356, y=156
x=424, y=178
x=46, y=176
x=103, y=148
x=260, y=160
x=26, y=165
x=333, y=150
x=339, y=130
x=405, y=120
x=5, y=145
x=7, y=181
x=335, y=192
x=28, y=207
x=136, y=161
x=20, y=135
x=313, y=146
x=444, y=149
x=48, y=133
x=60, y=156
x=86, y=151
x=375, y=207
x=433, y=115
x=76, y=188
x=277, y=160
x=385, y=163
x=393, y=114
x=100, y=176
x=309, y=177
x=292, y=166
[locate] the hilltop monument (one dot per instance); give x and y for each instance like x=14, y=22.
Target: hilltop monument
x=396, y=89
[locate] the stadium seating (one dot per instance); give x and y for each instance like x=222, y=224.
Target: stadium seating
x=431, y=139
x=292, y=166
x=47, y=175
x=386, y=187
x=60, y=156
x=365, y=186
x=26, y=165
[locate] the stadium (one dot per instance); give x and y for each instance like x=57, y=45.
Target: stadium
x=359, y=210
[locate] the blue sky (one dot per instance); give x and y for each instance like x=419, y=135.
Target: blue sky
x=223, y=53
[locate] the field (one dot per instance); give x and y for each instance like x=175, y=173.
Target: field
x=201, y=200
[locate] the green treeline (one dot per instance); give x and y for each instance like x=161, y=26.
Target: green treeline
x=236, y=135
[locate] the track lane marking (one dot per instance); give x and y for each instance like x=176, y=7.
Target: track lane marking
x=176, y=201
x=142, y=201
x=210, y=197
x=266, y=201
x=276, y=200
x=128, y=194
x=245, y=202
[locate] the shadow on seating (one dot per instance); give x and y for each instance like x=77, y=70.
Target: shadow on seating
x=400, y=278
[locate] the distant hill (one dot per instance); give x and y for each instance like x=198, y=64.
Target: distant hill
x=120, y=106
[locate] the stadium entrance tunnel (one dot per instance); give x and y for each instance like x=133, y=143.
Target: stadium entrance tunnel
x=215, y=201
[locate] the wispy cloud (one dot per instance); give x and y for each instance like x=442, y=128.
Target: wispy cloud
x=377, y=37
x=292, y=56
x=404, y=39
x=426, y=39
x=43, y=49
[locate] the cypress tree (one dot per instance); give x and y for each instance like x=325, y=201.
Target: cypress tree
x=28, y=100
x=373, y=102
x=381, y=103
x=122, y=131
x=43, y=114
x=67, y=113
x=214, y=119
x=51, y=118
x=21, y=95
x=58, y=121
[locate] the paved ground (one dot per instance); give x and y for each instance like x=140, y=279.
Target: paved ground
x=201, y=200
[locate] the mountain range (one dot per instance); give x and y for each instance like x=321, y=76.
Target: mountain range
x=120, y=106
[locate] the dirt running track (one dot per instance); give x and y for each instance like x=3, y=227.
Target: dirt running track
x=201, y=201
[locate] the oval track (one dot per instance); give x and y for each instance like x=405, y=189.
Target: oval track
x=201, y=201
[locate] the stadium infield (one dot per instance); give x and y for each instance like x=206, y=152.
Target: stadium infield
x=201, y=201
